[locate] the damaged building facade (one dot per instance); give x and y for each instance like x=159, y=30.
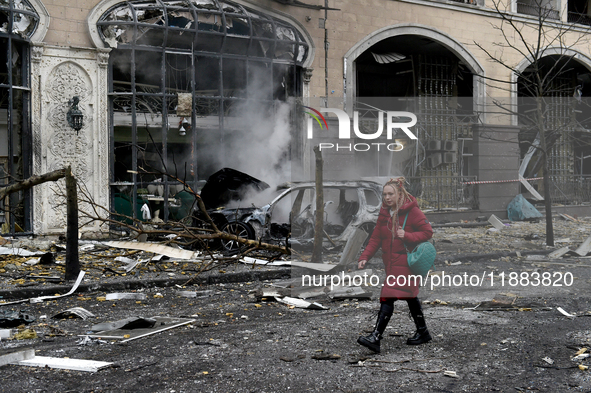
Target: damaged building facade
x=188, y=87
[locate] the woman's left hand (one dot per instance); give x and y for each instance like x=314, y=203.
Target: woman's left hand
x=400, y=233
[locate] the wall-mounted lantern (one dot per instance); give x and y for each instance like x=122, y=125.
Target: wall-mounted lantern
x=184, y=126
x=74, y=116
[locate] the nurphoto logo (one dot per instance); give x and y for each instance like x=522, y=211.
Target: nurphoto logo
x=394, y=120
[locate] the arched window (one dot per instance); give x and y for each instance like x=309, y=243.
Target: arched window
x=193, y=85
x=18, y=22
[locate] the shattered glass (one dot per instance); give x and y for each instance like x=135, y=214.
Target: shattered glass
x=205, y=4
x=115, y=33
x=186, y=18
x=23, y=23
x=237, y=26
x=230, y=8
x=262, y=28
x=302, y=51
x=285, y=33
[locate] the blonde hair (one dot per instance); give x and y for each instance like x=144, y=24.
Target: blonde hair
x=403, y=196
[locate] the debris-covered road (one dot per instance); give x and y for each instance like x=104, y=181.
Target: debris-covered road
x=504, y=334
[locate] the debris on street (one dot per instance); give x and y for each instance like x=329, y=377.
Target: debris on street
x=125, y=334
x=584, y=248
x=126, y=296
x=10, y=319
x=42, y=298
x=16, y=356
x=155, y=248
x=565, y=313
x=74, y=312
x=498, y=224
x=299, y=303
x=520, y=209
x=63, y=363
x=125, y=324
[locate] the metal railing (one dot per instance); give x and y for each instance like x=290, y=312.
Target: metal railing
x=535, y=10
x=571, y=189
x=575, y=17
x=444, y=192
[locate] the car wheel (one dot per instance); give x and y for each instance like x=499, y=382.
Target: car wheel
x=239, y=229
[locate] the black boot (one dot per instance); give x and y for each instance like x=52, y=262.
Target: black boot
x=373, y=340
x=422, y=334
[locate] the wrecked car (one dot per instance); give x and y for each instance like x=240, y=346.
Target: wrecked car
x=289, y=217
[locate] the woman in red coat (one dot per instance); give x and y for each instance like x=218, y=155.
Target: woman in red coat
x=392, y=238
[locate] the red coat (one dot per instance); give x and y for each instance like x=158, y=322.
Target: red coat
x=417, y=230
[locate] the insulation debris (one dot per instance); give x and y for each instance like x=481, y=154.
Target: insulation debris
x=155, y=248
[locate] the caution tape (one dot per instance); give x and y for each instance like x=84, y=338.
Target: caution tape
x=501, y=181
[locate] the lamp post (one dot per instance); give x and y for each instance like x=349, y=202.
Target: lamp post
x=75, y=119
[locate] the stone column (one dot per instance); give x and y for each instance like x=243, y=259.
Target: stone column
x=36, y=57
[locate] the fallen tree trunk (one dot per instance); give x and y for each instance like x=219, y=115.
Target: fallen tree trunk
x=32, y=181
x=72, y=260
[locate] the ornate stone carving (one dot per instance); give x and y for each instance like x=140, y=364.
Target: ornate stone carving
x=308, y=74
x=102, y=57
x=103, y=134
x=63, y=145
x=36, y=52
x=67, y=80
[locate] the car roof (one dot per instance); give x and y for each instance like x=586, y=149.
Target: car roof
x=343, y=183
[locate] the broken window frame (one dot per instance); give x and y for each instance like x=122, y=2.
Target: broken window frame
x=249, y=56
x=13, y=86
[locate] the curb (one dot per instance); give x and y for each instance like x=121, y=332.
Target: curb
x=489, y=256
x=25, y=293
x=281, y=273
